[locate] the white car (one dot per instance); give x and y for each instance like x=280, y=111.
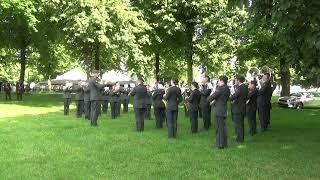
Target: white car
x=300, y=100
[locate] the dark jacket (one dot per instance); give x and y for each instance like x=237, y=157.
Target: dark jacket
x=205, y=93
x=7, y=88
x=95, y=89
x=124, y=95
x=273, y=87
x=67, y=92
x=19, y=88
x=220, y=96
x=115, y=95
x=252, y=100
x=158, y=98
x=79, y=93
x=148, y=98
x=105, y=95
x=86, y=94
x=264, y=94
x=139, y=92
x=194, y=100
x=173, y=97
x=239, y=99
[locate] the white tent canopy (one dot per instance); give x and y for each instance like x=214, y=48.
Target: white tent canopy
x=114, y=76
x=73, y=75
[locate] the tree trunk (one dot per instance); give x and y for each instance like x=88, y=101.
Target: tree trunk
x=23, y=59
x=284, y=77
x=189, y=52
x=157, y=66
x=96, y=56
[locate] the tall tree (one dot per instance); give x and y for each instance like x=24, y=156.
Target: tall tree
x=189, y=26
x=18, y=25
x=165, y=38
x=293, y=28
x=107, y=30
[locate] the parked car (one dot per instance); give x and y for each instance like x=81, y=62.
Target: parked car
x=300, y=100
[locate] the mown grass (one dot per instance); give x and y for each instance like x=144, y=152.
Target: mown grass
x=38, y=142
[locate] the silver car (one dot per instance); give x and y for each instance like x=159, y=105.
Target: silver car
x=300, y=100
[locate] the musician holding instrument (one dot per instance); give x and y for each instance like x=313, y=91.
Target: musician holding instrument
x=264, y=97
x=105, y=99
x=95, y=86
x=205, y=108
x=139, y=92
x=158, y=105
x=219, y=100
x=238, y=106
x=273, y=87
x=115, y=100
x=67, y=97
x=251, y=107
x=173, y=97
x=124, y=97
x=186, y=91
x=194, y=102
x=120, y=91
x=79, y=99
x=148, y=103
x=86, y=98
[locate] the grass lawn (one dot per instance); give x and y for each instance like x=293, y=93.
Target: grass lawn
x=38, y=142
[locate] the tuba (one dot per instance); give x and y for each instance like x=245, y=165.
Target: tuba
x=252, y=74
x=266, y=69
x=256, y=74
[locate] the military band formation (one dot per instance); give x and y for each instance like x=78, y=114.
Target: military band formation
x=247, y=98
